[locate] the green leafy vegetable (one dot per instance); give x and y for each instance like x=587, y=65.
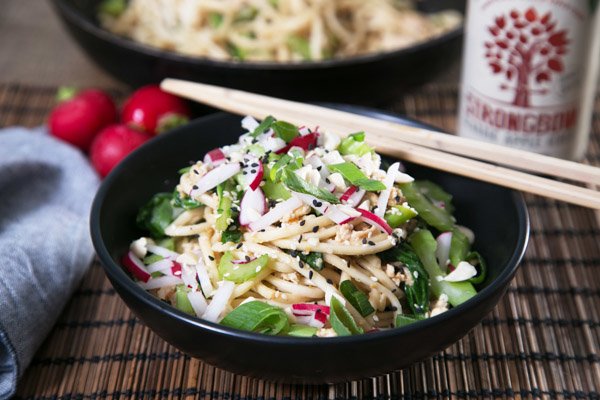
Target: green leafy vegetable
x=355, y=176
x=417, y=294
x=406, y=319
x=224, y=209
x=433, y=215
x=341, y=320
x=475, y=259
x=256, y=316
x=167, y=243
x=424, y=245
x=276, y=170
x=114, y=8
x=184, y=202
x=156, y=215
x=358, y=299
x=182, y=302
x=152, y=258
x=285, y=130
x=399, y=214
x=215, y=20
x=264, y=126
x=354, y=144
x=435, y=192
x=298, y=330
x=459, y=247
x=184, y=170
x=275, y=191
x=239, y=273
x=297, y=184
x=313, y=259
x=299, y=45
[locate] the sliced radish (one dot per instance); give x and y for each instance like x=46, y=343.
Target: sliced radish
x=276, y=213
x=160, y=265
x=163, y=281
x=205, y=283
x=306, y=142
x=189, y=276
x=214, y=177
x=375, y=220
x=252, y=207
x=442, y=252
x=309, y=308
x=384, y=196
x=315, y=320
x=214, y=157
x=303, y=130
x=198, y=302
x=249, y=123
x=320, y=205
x=356, y=197
x=341, y=214
x=162, y=251
x=176, y=269
x=253, y=171
x=135, y=266
x=219, y=301
x=270, y=143
x=467, y=232
x=315, y=162
x=349, y=192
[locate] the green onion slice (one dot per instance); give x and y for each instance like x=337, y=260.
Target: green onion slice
x=256, y=316
x=358, y=299
x=355, y=176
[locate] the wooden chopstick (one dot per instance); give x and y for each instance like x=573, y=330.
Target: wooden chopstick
x=384, y=136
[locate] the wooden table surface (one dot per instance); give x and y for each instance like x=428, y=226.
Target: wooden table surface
x=36, y=50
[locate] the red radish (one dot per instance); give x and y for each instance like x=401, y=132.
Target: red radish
x=253, y=171
x=340, y=216
x=320, y=205
x=306, y=142
x=356, y=197
x=349, y=192
x=374, y=220
x=276, y=213
x=135, y=266
x=112, y=145
x=270, y=143
x=316, y=318
x=384, y=196
x=252, y=207
x=154, y=111
x=215, y=176
x=214, y=157
x=442, y=251
x=159, y=265
x=78, y=120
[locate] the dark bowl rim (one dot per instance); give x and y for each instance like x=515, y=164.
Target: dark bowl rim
x=81, y=21
x=116, y=272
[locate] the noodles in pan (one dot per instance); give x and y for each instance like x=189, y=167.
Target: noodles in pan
x=277, y=30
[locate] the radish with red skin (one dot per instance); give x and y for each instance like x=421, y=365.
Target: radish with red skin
x=79, y=119
x=374, y=220
x=176, y=269
x=215, y=157
x=135, y=266
x=252, y=207
x=112, y=145
x=152, y=110
x=309, y=308
x=306, y=142
x=349, y=192
x=253, y=171
x=276, y=213
x=214, y=177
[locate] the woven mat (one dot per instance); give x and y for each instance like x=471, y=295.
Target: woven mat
x=542, y=340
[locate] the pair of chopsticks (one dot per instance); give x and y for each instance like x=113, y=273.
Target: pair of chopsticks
x=417, y=145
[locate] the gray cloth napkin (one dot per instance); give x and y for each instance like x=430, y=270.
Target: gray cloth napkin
x=46, y=189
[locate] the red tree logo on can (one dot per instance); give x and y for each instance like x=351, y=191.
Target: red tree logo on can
x=527, y=49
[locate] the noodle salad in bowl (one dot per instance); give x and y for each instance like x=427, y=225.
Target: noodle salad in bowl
x=300, y=232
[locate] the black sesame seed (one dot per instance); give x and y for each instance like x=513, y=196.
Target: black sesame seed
x=302, y=223
x=195, y=187
x=300, y=264
x=299, y=238
x=247, y=258
x=310, y=275
x=315, y=229
x=239, y=246
x=315, y=202
x=244, y=173
x=196, y=172
x=294, y=253
x=262, y=230
x=241, y=164
x=253, y=171
x=319, y=204
x=397, y=198
x=371, y=243
x=327, y=181
x=211, y=258
x=330, y=281
x=254, y=165
x=319, y=167
x=364, y=241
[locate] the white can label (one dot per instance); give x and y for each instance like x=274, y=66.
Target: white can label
x=522, y=72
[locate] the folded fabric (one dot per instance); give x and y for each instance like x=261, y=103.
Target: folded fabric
x=46, y=190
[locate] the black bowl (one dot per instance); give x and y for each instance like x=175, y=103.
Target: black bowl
x=498, y=217
x=366, y=79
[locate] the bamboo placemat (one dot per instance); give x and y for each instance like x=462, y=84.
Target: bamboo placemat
x=542, y=340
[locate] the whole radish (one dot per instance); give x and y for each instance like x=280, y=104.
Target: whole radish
x=78, y=119
x=113, y=144
x=154, y=111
